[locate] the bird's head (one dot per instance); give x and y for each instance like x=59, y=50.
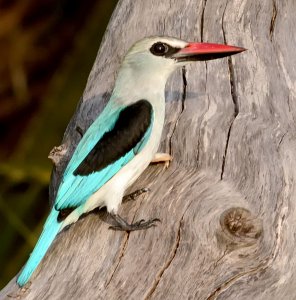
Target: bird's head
x=162, y=55
x=150, y=61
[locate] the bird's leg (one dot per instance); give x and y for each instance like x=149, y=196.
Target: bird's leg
x=135, y=194
x=123, y=225
x=162, y=157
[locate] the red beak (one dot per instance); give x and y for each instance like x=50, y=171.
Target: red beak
x=206, y=51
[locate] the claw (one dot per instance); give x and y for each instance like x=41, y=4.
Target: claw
x=122, y=225
x=139, y=222
x=136, y=194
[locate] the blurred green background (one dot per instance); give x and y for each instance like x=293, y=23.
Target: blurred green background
x=47, y=49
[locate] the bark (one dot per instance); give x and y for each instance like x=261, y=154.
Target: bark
x=227, y=200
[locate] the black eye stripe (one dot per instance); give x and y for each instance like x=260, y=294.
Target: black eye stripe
x=163, y=49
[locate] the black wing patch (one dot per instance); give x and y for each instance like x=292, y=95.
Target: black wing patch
x=129, y=129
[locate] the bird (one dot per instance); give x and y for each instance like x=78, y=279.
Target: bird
x=123, y=140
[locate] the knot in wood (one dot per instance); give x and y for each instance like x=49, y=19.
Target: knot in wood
x=56, y=154
x=240, y=227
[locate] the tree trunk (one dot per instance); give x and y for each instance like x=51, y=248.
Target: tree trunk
x=227, y=201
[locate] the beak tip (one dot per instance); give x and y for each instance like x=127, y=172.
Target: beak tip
x=242, y=49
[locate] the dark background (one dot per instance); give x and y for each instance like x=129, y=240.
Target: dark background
x=47, y=49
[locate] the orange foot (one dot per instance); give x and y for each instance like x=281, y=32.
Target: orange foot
x=162, y=158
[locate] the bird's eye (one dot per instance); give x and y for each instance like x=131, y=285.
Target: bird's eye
x=159, y=49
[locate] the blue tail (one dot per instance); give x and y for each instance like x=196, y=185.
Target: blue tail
x=50, y=230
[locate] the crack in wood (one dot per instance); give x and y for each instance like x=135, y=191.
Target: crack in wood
x=225, y=252
x=272, y=21
x=202, y=20
x=233, y=96
x=233, y=86
x=184, y=94
x=281, y=140
x=168, y=262
x=198, y=150
x=225, y=150
x=121, y=254
x=224, y=286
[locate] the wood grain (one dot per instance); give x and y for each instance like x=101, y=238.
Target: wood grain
x=227, y=200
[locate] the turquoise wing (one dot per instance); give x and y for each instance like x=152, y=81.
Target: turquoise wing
x=110, y=143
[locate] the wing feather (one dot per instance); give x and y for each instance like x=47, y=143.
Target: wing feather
x=100, y=155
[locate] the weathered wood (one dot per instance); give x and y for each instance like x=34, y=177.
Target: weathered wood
x=227, y=200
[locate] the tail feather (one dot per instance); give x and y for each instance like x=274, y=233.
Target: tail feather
x=50, y=230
